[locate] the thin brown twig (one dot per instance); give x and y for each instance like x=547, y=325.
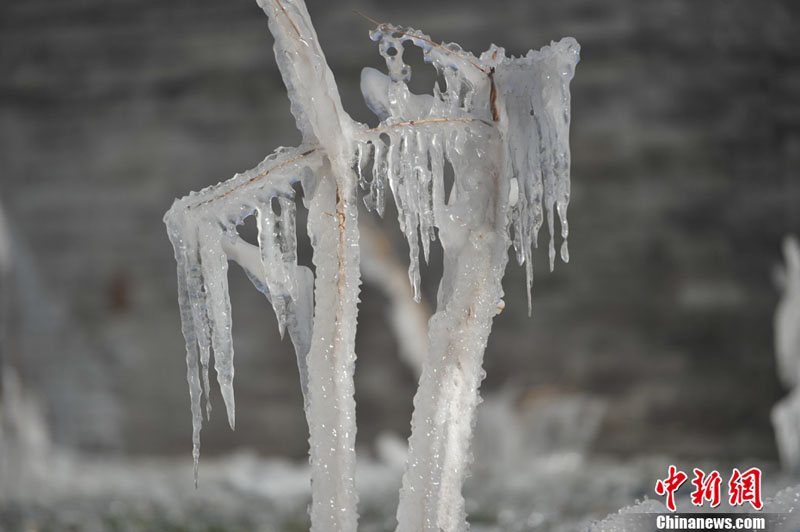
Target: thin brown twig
x=421, y=122
x=312, y=150
x=280, y=5
x=254, y=178
x=436, y=44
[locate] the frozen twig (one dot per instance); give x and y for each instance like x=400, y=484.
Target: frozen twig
x=503, y=129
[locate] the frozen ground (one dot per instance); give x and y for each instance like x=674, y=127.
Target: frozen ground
x=242, y=492
x=532, y=473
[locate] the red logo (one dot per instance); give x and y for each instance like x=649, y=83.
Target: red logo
x=706, y=488
x=742, y=487
x=746, y=487
x=670, y=485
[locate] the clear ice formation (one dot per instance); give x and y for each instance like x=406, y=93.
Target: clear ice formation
x=786, y=413
x=499, y=124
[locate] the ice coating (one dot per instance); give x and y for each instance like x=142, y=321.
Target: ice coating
x=202, y=229
x=502, y=124
x=317, y=109
x=533, y=102
x=412, y=163
x=499, y=125
x=525, y=99
x=331, y=360
x=332, y=227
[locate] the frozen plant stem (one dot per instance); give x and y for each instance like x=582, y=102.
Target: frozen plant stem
x=331, y=407
x=444, y=407
x=506, y=139
x=501, y=124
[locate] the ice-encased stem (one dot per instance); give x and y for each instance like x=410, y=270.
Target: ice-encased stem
x=444, y=407
x=331, y=408
x=445, y=403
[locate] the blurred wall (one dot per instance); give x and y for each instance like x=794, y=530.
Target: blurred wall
x=685, y=143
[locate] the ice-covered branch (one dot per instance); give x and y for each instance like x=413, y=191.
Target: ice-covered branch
x=505, y=136
x=202, y=229
x=500, y=126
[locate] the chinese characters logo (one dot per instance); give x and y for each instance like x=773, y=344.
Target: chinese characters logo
x=742, y=487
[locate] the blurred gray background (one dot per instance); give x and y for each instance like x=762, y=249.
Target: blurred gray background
x=685, y=144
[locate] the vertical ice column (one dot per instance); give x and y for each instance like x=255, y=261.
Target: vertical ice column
x=330, y=406
x=475, y=243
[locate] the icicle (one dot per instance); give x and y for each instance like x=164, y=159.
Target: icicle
x=362, y=182
x=214, y=266
x=562, y=216
x=190, y=335
x=379, y=176
x=287, y=240
x=199, y=306
x=300, y=324
x=405, y=199
x=392, y=170
x=271, y=261
x=533, y=97
x=277, y=241
x=436, y=155
x=425, y=200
